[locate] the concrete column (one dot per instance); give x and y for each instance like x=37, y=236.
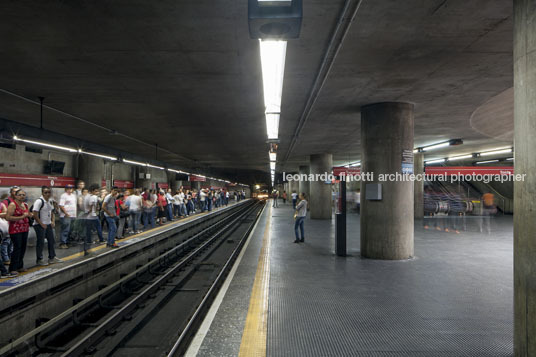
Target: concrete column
x=91, y=169
x=303, y=185
x=320, y=192
x=142, y=182
x=386, y=224
x=196, y=185
x=294, y=186
x=524, y=191
x=418, y=186
x=173, y=184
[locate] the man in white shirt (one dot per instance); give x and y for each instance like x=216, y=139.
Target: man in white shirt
x=184, y=211
x=294, y=199
x=134, y=208
x=169, y=208
x=177, y=200
x=43, y=213
x=68, y=202
x=202, y=199
x=91, y=202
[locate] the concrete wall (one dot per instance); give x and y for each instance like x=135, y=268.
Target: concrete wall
x=88, y=168
x=16, y=161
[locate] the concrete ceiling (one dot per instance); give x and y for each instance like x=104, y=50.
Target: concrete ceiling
x=186, y=75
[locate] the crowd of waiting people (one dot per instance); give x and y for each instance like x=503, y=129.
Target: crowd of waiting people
x=83, y=211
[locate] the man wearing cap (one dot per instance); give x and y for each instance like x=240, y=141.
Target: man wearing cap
x=67, y=206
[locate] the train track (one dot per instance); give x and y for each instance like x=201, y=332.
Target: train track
x=156, y=308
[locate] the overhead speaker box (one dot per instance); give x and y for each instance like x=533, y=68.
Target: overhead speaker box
x=274, y=19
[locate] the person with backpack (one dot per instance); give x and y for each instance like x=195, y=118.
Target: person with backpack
x=18, y=215
x=109, y=208
x=43, y=217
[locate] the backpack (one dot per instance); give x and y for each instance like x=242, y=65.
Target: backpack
x=123, y=212
x=31, y=220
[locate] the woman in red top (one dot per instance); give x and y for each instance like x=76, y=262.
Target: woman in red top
x=19, y=225
x=120, y=206
x=161, y=204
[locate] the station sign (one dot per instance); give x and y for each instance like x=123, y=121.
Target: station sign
x=470, y=170
x=197, y=178
x=123, y=184
x=347, y=171
x=163, y=185
x=35, y=180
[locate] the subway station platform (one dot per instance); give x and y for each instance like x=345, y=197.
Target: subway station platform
x=75, y=253
x=455, y=298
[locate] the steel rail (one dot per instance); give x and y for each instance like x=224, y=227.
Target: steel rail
x=95, y=336
x=192, y=325
x=67, y=315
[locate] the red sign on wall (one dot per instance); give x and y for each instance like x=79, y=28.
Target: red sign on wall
x=123, y=184
x=338, y=170
x=35, y=180
x=197, y=178
x=469, y=170
x=163, y=185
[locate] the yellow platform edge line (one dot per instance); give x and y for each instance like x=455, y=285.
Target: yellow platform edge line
x=103, y=245
x=255, y=329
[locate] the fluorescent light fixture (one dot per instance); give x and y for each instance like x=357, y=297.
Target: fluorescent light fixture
x=355, y=164
x=347, y=166
x=134, y=162
x=64, y=148
x=179, y=171
x=272, y=155
x=155, y=167
x=273, y=69
x=415, y=151
x=97, y=155
x=436, y=146
x=272, y=125
x=496, y=152
x=461, y=157
x=275, y=2
x=486, y=162
x=435, y=161
x=272, y=165
x=510, y=159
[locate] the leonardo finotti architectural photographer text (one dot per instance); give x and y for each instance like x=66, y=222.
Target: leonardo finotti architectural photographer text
x=398, y=177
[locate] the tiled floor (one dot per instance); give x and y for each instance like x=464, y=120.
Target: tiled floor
x=453, y=299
